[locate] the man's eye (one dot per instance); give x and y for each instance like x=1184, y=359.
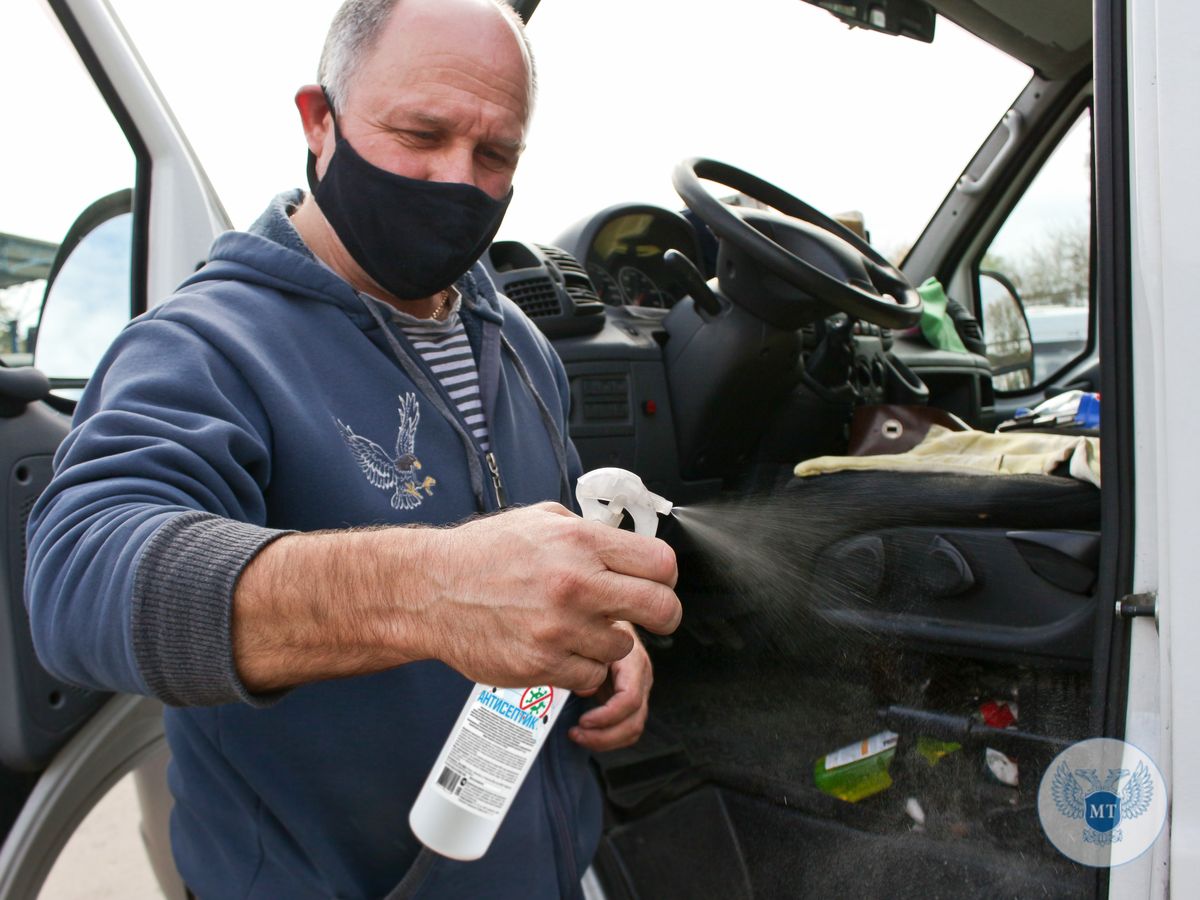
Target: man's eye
x=497, y=158
x=421, y=137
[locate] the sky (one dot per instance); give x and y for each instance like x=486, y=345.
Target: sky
x=844, y=119
x=78, y=325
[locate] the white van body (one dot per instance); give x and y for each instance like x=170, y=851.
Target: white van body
x=1164, y=188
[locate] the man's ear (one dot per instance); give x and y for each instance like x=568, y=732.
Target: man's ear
x=315, y=118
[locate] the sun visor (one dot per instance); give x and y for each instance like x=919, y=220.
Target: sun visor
x=1055, y=39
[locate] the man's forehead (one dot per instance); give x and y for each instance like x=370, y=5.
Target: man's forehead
x=443, y=62
x=473, y=30
x=453, y=80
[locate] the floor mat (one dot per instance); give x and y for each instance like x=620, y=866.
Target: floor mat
x=790, y=856
x=686, y=849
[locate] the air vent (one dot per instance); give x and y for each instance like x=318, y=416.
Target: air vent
x=536, y=296
x=549, y=285
x=576, y=281
x=568, y=263
x=585, y=299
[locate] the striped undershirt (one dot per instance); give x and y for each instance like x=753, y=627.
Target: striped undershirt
x=444, y=346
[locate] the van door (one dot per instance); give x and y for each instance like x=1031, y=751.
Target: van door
x=96, y=174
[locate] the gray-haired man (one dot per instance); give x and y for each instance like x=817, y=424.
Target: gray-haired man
x=346, y=363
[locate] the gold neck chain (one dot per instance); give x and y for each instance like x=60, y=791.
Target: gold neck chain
x=443, y=306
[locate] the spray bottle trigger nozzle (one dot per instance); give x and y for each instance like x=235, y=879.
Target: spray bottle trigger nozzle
x=605, y=495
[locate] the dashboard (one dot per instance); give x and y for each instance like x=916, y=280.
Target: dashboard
x=623, y=248
x=605, y=294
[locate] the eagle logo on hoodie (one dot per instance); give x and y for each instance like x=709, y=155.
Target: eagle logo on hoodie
x=399, y=473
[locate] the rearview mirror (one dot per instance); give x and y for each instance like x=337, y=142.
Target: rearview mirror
x=909, y=18
x=1006, y=331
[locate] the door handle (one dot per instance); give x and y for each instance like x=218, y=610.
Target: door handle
x=1013, y=122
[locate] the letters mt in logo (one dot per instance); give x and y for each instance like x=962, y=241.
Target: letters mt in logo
x=1094, y=811
x=396, y=474
x=1101, y=808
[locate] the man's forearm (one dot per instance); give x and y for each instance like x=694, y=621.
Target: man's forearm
x=316, y=606
x=534, y=595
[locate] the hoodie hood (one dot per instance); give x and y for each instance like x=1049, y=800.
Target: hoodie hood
x=273, y=255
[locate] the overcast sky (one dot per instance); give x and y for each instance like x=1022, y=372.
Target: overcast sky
x=844, y=119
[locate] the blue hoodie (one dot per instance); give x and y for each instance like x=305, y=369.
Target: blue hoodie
x=217, y=422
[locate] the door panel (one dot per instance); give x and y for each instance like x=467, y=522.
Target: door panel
x=97, y=170
x=46, y=238
x=38, y=713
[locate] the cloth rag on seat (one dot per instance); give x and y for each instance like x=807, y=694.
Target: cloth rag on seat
x=977, y=453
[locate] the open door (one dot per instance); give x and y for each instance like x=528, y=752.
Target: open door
x=98, y=171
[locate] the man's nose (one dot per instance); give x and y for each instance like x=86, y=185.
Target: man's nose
x=454, y=165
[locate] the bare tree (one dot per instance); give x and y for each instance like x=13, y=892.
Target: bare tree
x=1052, y=271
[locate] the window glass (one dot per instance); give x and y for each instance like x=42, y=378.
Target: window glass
x=80, y=318
x=62, y=150
x=1043, y=251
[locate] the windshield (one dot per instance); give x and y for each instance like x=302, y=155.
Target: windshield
x=844, y=119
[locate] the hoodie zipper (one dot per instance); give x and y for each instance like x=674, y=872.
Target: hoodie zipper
x=497, y=482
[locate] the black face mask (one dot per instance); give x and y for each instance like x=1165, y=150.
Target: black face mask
x=413, y=237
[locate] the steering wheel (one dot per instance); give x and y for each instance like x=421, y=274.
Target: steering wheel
x=841, y=269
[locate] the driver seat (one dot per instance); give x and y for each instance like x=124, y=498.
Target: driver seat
x=1001, y=567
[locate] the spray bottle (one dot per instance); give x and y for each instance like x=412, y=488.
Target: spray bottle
x=500, y=730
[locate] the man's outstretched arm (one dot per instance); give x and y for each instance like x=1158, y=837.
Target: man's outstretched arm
x=150, y=570
x=528, y=596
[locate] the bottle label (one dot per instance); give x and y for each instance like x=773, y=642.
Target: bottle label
x=864, y=749
x=495, y=745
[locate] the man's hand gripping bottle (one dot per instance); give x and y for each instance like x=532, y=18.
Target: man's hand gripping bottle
x=500, y=730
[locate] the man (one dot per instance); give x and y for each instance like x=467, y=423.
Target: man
x=345, y=364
